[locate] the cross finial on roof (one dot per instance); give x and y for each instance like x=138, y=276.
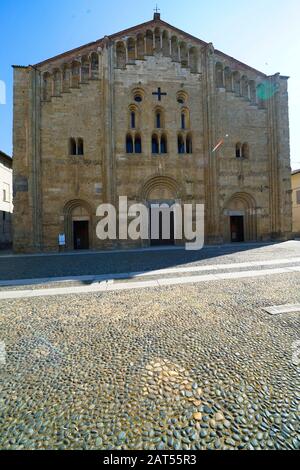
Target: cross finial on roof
x=156, y=13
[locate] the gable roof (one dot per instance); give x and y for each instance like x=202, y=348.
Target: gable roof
x=5, y=159
x=152, y=23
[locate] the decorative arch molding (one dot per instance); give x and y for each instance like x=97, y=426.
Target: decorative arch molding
x=182, y=97
x=72, y=204
x=157, y=41
x=247, y=199
x=157, y=182
x=71, y=74
x=246, y=203
x=138, y=94
x=68, y=211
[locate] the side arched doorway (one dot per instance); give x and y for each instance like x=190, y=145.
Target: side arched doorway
x=78, y=225
x=240, y=216
x=155, y=192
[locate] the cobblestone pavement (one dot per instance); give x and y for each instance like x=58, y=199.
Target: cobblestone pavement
x=200, y=366
x=25, y=267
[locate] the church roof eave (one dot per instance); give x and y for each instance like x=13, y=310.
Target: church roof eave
x=96, y=43
x=242, y=64
x=151, y=23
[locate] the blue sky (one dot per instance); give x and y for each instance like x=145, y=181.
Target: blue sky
x=263, y=33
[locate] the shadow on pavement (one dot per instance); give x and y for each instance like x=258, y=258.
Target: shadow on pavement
x=97, y=264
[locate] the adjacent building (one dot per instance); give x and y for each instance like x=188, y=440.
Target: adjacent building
x=296, y=202
x=157, y=115
x=6, y=200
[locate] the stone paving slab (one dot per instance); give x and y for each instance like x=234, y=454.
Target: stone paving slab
x=198, y=366
x=280, y=309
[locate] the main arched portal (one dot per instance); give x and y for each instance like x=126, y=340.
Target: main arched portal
x=78, y=225
x=240, y=218
x=157, y=191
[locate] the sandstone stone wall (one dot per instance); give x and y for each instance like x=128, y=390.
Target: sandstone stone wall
x=90, y=93
x=296, y=203
x=22, y=142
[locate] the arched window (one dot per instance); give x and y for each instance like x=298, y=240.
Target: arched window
x=72, y=146
x=131, y=49
x=228, y=79
x=95, y=65
x=166, y=44
x=244, y=87
x=236, y=83
x=138, y=144
x=138, y=97
x=129, y=144
x=140, y=42
x=149, y=43
x=252, y=91
x=157, y=40
x=174, y=49
x=181, y=147
x=132, y=120
x=189, y=144
x=158, y=119
x=75, y=74
x=57, y=82
x=245, y=150
x=219, y=75
x=163, y=144
x=193, y=60
x=80, y=147
x=261, y=95
x=66, y=79
x=85, y=69
x=155, y=144
x=121, y=55
x=238, y=150
x=183, y=55
x=47, y=91
x=183, y=121
x=133, y=117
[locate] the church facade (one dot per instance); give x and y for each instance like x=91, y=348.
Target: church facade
x=157, y=115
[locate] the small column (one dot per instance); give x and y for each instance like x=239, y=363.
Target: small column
x=99, y=61
x=209, y=121
x=90, y=67
x=52, y=84
x=80, y=70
